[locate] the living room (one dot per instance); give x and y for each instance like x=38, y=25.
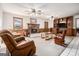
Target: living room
x=46, y=28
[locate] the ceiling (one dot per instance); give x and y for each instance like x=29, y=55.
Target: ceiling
x=49, y=9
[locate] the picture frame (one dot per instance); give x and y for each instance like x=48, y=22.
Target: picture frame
x=17, y=23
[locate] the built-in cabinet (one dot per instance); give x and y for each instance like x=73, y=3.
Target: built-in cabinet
x=69, y=30
x=65, y=23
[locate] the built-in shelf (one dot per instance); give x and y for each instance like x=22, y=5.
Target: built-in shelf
x=65, y=23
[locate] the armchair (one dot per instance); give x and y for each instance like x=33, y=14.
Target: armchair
x=59, y=39
x=16, y=38
x=21, y=48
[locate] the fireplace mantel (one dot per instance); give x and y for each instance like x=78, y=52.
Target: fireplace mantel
x=33, y=28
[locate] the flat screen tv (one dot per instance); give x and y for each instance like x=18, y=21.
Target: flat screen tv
x=62, y=25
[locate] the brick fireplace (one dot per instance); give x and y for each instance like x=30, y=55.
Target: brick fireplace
x=33, y=28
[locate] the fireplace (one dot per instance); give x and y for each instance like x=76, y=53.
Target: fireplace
x=34, y=31
x=33, y=28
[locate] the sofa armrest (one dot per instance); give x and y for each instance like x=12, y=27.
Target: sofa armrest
x=24, y=44
x=19, y=38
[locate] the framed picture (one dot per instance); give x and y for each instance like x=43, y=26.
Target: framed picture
x=17, y=23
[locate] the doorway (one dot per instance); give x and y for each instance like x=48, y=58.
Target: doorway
x=45, y=26
x=77, y=26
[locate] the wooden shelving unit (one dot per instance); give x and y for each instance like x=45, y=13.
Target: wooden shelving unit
x=68, y=21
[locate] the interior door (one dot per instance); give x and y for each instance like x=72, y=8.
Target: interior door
x=46, y=26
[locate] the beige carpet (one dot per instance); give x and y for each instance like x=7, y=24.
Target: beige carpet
x=43, y=47
x=48, y=47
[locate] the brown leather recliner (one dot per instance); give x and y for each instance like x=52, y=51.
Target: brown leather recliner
x=17, y=38
x=59, y=39
x=18, y=48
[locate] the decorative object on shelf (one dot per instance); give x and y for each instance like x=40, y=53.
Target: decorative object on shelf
x=17, y=23
x=63, y=20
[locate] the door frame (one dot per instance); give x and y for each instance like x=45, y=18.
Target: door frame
x=76, y=25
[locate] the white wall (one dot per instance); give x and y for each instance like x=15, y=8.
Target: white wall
x=8, y=20
x=1, y=20
x=1, y=17
x=74, y=21
x=51, y=23
x=77, y=25
x=41, y=23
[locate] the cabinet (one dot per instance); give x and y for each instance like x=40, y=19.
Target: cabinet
x=55, y=30
x=65, y=23
x=69, y=31
x=56, y=21
x=70, y=22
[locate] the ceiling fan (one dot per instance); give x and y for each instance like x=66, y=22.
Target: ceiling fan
x=34, y=11
x=37, y=13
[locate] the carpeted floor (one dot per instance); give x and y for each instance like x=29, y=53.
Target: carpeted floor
x=44, y=47
x=48, y=47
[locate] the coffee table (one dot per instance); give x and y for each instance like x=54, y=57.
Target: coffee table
x=47, y=36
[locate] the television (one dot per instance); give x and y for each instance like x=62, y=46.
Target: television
x=62, y=25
